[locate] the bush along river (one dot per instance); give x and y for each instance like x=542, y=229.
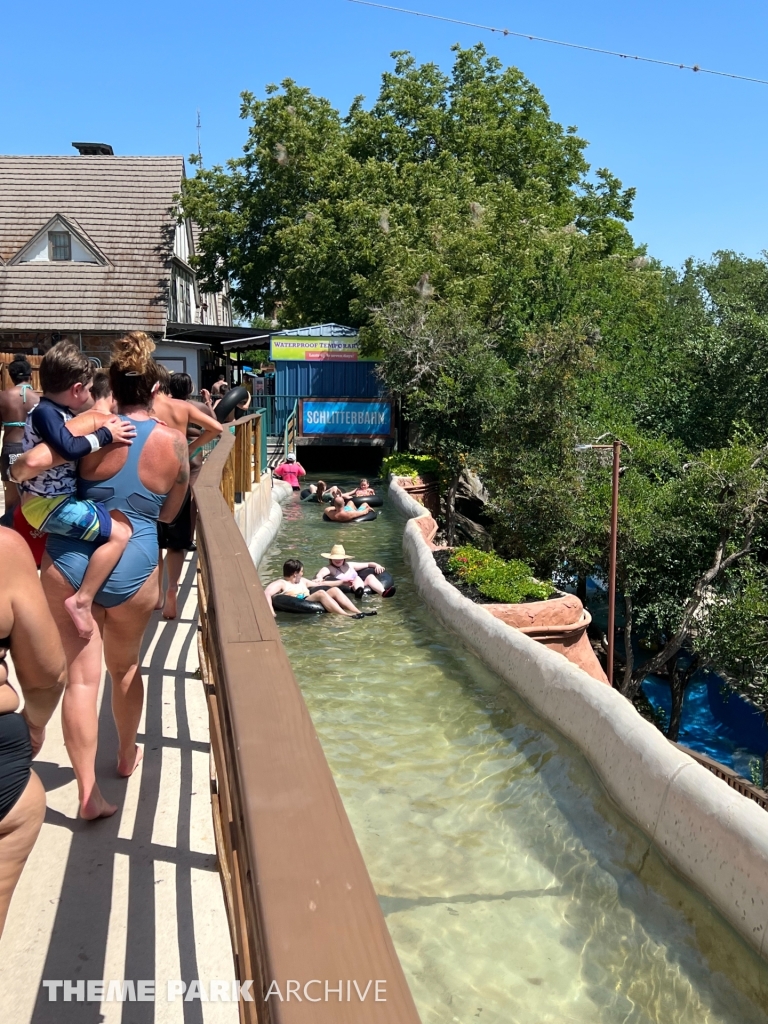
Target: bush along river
x=514, y=890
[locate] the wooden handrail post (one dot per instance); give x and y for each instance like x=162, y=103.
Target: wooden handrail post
x=257, y=466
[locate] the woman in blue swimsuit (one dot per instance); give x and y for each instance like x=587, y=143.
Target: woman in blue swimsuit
x=145, y=482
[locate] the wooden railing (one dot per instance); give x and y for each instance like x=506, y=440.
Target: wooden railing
x=301, y=906
x=244, y=462
x=734, y=780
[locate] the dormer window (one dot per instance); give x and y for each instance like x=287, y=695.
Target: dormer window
x=59, y=245
x=59, y=241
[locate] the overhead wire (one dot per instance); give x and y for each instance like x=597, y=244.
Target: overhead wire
x=559, y=42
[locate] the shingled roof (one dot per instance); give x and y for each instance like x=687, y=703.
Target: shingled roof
x=123, y=205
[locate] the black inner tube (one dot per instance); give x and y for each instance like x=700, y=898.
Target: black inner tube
x=375, y=501
x=360, y=519
x=230, y=402
x=307, y=495
x=385, y=578
x=284, y=603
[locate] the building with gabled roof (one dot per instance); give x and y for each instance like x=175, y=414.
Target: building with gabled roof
x=92, y=246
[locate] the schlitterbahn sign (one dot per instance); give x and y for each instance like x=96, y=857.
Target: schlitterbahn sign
x=317, y=349
x=338, y=417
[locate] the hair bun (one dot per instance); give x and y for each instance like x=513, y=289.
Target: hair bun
x=132, y=353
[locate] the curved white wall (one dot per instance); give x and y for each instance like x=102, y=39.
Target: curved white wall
x=711, y=834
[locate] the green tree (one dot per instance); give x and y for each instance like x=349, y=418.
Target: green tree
x=451, y=381
x=458, y=185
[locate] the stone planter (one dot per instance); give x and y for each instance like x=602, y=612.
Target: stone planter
x=560, y=624
x=425, y=490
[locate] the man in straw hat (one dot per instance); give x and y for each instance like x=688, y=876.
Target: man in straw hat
x=341, y=571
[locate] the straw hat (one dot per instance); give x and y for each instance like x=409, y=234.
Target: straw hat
x=337, y=551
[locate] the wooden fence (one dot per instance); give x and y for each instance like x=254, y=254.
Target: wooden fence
x=301, y=906
x=5, y=378
x=734, y=780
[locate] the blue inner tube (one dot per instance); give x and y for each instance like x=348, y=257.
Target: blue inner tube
x=375, y=501
x=283, y=603
x=360, y=519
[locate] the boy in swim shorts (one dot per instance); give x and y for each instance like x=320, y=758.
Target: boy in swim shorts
x=49, y=501
x=295, y=584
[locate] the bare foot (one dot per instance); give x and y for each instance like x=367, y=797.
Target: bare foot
x=96, y=807
x=126, y=766
x=160, y=601
x=169, y=608
x=81, y=616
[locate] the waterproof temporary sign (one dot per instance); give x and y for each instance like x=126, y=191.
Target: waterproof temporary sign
x=317, y=349
x=351, y=418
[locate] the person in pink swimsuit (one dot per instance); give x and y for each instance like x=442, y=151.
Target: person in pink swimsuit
x=290, y=471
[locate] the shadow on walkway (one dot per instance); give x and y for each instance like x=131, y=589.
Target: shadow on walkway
x=129, y=904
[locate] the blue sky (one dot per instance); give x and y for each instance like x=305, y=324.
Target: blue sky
x=694, y=146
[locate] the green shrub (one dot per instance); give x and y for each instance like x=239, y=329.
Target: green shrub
x=406, y=464
x=509, y=582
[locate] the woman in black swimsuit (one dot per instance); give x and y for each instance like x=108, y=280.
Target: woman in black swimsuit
x=27, y=629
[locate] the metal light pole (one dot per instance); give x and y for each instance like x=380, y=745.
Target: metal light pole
x=616, y=448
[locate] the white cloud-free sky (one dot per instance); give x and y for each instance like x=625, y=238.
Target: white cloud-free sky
x=694, y=146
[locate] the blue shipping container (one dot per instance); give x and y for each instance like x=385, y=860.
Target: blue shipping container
x=327, y=379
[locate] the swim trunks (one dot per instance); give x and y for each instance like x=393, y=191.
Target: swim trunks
x=69, y=517
x=177, y=536
x=11, y=451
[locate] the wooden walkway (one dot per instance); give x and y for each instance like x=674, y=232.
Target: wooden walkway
x=137, y=895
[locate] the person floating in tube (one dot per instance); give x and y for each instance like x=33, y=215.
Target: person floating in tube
x=338, y=512
x=295, y=584
x=357, y=574
x=363, y=490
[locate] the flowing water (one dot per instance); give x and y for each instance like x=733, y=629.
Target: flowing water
x=514, y=891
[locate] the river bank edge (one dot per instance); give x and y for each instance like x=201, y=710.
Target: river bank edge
x=713, y=836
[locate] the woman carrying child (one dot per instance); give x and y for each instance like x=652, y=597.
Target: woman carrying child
x=49, y=499
x=144, y=482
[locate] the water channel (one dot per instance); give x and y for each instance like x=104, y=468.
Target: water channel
x=514, y=891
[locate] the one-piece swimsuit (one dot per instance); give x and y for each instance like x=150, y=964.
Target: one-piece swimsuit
x=124, y=492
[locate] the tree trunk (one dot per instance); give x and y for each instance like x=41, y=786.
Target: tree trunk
x=450, y=512
x=678, y=682
x=719, y=565
x=581, y=588
x=678, y=692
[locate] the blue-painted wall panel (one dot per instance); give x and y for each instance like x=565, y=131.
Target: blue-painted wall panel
x=326, y=379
